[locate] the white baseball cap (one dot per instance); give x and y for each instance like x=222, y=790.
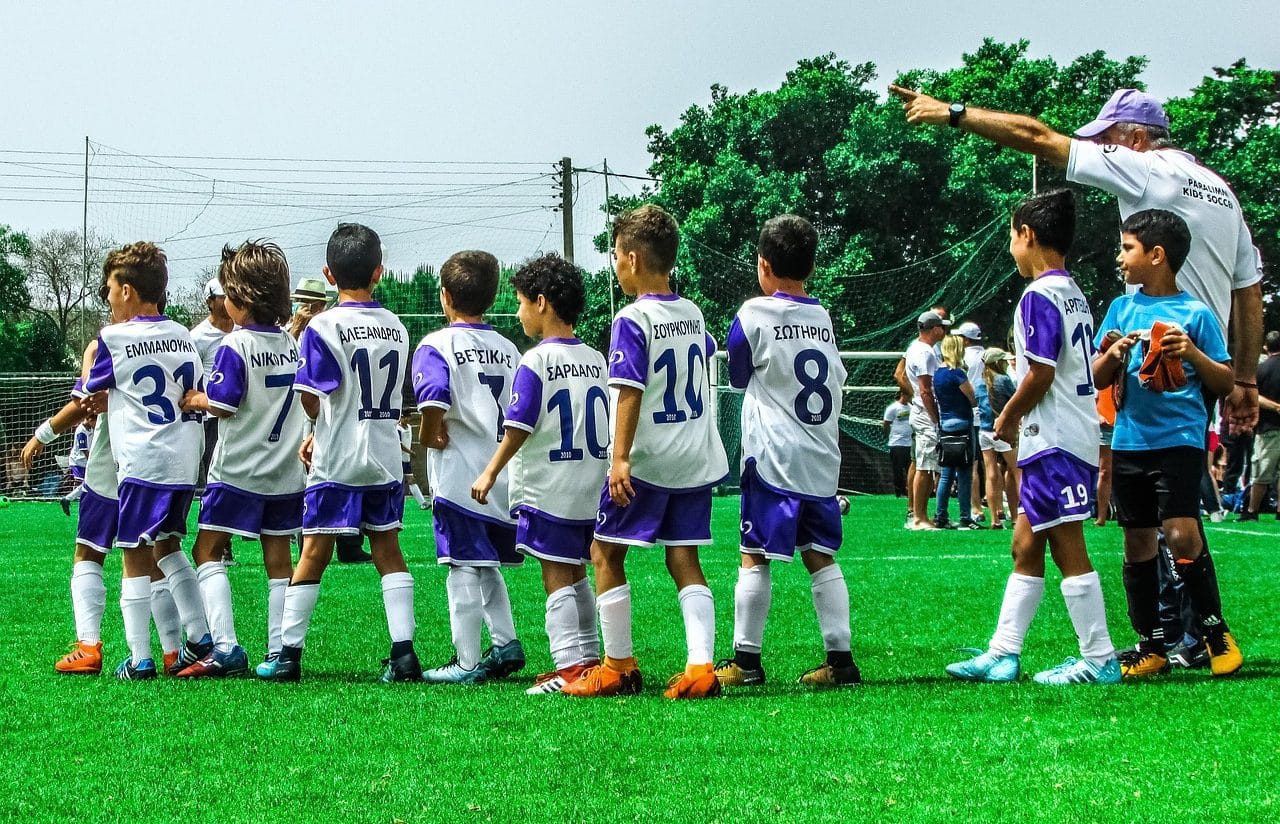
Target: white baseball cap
x=969, y=330
x=213, y=289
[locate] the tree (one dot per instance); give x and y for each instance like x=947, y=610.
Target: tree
x=14, y=248
x=63, y=278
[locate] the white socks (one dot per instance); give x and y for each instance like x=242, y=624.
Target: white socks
x=275, y=612
x=397, y=598
x=88, y=600
x=497, y=607
x=562, y=628
x=1022, y=596
x=699, y=624
x=417, y=495
x=1083, y=594
x=466, y=613
x=299, y=604
x=588, y=636
x=135, y=607
x=215, y=592
x=831, y=602
x=178, y=571
x=751, y=600
x=165, y=614
x=615, y=621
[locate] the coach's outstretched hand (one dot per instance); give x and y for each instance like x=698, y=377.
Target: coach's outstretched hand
x=921, y=108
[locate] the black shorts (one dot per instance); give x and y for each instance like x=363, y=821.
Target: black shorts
x=1151, y=487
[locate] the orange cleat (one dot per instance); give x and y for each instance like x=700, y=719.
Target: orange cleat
x=170, y=658
x=606, y=680
x=81, y=659
x=697, y=681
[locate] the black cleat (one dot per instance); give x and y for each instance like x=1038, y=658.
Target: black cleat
x=66, y=506
x=401, y=668
x=288, y=666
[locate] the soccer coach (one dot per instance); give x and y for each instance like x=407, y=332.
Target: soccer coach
x=1126, y=151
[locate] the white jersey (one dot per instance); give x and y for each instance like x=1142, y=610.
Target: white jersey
x=78, y=457
x=1222, y=257
x=659, y=344
x=898, y=416
x=560, y=397
x=257, y=448
x=782, y=351
x=148, y=364
x=922, y=359
x=466, y=370
x=100, y=469
x=207, y=339
x=1053, y=325
x=353, y=358
x=973, y=364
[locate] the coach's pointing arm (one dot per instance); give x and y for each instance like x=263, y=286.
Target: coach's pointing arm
x=1013, y=131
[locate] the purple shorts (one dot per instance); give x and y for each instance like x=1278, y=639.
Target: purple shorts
x=552, y=539
x=331, y=509
x=466, y=539
x=151, y=513
x=227, y=509
x=656, y=516
x=77, y=472
x=98, y=518
x=1057, y=488
x=776, y=524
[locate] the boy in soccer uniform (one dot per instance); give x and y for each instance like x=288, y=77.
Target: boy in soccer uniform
x=145, y=365
x=405, y=431
x=1158, y=449
x=666, y=457
x=462, y=378
x=349, y=378
x=77, y=460
x=783, y=353
x=557, y=441
x=1057, y=452
x=255, y=478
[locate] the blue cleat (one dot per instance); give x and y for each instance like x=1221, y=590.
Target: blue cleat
x=452, y=673
x=218, y=664
x=499, y=662
x=991, y=667
x=144, y=670
x=1072, y=671
x=191, y=652
x=268, y=666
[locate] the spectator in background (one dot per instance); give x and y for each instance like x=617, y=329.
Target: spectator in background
x=956, y=401
x=973, y=349
x=310, y=299
x=207, y=336
x=1106, y=428
x=921, y=362
x=17, y=478
x=897, y=425
x=993, y=390
x=1266, y=444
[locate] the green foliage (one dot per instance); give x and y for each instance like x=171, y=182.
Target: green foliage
x=33, y=345
x=14, y=295
x=414, y=294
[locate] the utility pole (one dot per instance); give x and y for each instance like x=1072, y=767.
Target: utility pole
x=608, y=216
x=566, y=205
x=84, y=247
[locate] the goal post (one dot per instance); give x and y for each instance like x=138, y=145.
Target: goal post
x=26, y=401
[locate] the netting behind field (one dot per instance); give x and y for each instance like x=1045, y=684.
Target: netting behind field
x=25, y=401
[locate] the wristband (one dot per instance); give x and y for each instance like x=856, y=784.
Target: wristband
x=44, y=433
x=1247, y=384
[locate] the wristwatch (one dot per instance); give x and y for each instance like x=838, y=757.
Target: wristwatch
x=957, y=111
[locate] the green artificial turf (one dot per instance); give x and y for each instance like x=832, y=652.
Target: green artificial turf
x=908, y=745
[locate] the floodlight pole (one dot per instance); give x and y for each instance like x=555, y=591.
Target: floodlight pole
x=566, y=205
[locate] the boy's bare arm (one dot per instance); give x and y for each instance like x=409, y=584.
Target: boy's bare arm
x=512, y=439
x=1107, y=365
x=624, y=436
x=196, y=401
x=433, y=434
x=1219, y=378
x=63, y=420
x=1030, y=392
x=310, y=404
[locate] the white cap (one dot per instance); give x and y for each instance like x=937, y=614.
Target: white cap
x=969, y=330
x=213, y=289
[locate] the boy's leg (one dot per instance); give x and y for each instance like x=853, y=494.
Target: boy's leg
x=696, y=604
x=181, y=575
x=397, y=601
x=215, y=588
x=278, y=560
x=300, y=598
x=466, y=614
x=618, y=673
x=1082, y=591
x=1142, y=592
x=497, y=607
x=588, y=631
x=135, y=609
x=752, y=598
x=165, y=615
x=831, y=603
x=562, y=620
x=88, y=594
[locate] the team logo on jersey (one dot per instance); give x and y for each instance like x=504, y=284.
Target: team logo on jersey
x=216, y=378
x=515, y=399
x=617, y=356
x=1032, y=430
x=1110, y=148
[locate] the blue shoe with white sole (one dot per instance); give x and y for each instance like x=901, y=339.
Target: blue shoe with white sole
x=1082, y=671
x=452, y=673
x=144, y=670
x=990, y=667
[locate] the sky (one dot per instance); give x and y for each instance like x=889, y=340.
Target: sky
x=449, y=86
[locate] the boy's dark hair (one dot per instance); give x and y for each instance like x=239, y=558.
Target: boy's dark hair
x=353, y=254
x=143, y=266
x=472, y=280
x=1052, y=215
x=790, y=244
x=651, y=233
x=1160, y=227
x=1272, y=341
x=556, y=279
x=256, y=276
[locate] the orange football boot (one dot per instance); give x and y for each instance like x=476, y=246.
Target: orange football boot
x=697, y=681
x=170, y=658
x=81, y=659
x=613, y=677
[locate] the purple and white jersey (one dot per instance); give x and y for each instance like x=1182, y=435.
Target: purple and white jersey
x=659, y=344
x=782, y=351
x=560, y=397
x=207, y=339
x=257, y=449
x=352, y=357
x=78, y=457
x=1053, y=325
x=148, y=364
x=100, y=469
x=466, y=370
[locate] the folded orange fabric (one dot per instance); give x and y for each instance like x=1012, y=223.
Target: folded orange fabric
x=1159, y=371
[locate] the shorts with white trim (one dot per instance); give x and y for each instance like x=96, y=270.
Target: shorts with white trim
x=149, y=514
x=987, y=440
x=464, y=538
x=98, y=517
x=777, y=524
x=333, y=509
x=656, y=516
x=548, y=538
x=228, y=509
x=1056, y=488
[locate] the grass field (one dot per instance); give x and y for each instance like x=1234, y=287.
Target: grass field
x=909, y=745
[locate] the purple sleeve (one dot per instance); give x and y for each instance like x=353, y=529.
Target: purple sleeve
x=228, y=380
x=740, y=362
x=628, y=354
x=431, y=378
x=526, y=400
x=101, y=374
x=77, y=389
x=1042, y=325
x=318, y=370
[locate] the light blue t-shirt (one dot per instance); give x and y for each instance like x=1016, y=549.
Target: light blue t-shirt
x=1160, y=420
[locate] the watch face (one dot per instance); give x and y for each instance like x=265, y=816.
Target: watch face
x=957, y=108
